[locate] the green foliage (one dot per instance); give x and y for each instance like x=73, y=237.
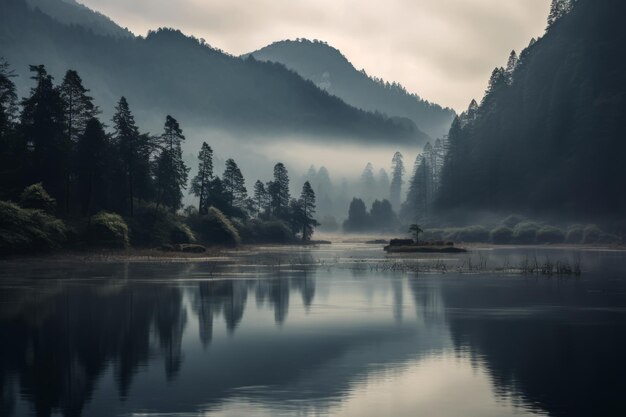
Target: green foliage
x=548, y=234
x=525, y=233
x=473, y=234
x=107, y=230
x=592, y=234
x=575, y=233
x=154, y=226
x=214, y=228
x=36, y=197
x=501, y=235
x=271, y=231
x=26, y=230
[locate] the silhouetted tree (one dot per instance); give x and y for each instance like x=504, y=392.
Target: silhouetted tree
x=201, y=182
x=234, y=185
x=260, y=198
x=397, y=171
x=91, y=168
x=358, y=218
x=171, y=172
x=307, y=207
x=278, y=191
x=11, y=149
x=42, y=125
x=134, y=153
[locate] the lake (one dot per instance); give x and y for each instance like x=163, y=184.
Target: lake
x=337, y=330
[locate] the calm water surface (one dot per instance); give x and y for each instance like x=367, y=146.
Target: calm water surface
x=313, y=332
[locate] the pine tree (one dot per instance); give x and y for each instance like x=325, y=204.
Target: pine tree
x=511, y=66
x=42, y=126
x=77, y=105
x=397, y=171
x=278, y=191
x=78, y=109
x=172, y=173
x=307, y=206
x=91, y=168
x=201, y=182
x=133, y=151
x=260, y=197
x=558, y=9
x=11, y=150
x=234, y=185
x=368, y=182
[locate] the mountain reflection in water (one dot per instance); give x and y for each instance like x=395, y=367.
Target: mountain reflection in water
x=309, y=332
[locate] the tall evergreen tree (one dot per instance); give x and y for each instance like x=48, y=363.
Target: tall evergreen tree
x=201, y=182
x=260, y=197
x=77, y=105
x=558, y=9
x=171, y=172
x=11, y=149
x=307, y=208
x=397, y=172
x=134, y=152
x=91, y=168
x=234, y=185
x=42, y=125
x=279, y=192
x=78, y=109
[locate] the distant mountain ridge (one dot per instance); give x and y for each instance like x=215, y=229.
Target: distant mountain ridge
x=329, y=69
x=170, y=73
x=70, y=12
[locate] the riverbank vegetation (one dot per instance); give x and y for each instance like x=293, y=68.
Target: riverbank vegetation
x=68, y=182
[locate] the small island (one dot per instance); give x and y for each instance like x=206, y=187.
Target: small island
x=415, y=246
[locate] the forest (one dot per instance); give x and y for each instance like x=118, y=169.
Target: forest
x=74, y=183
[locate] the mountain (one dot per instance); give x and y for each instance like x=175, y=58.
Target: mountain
x=170, y=73
x=330, y=70
x=549, y=135
x=71, y=12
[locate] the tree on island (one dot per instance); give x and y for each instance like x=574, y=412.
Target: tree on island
x=415, y=229
x=201, y=182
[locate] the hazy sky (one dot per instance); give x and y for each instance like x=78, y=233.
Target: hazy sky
x=443, y=50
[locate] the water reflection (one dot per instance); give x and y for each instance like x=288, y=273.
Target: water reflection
x=115, y=339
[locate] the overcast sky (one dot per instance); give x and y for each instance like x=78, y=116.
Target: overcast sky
x=443, y=50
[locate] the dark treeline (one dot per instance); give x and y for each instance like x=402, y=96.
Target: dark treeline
x=548, y=136
x=57, y=158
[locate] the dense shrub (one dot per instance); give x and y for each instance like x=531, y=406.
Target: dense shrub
x=592, y=234
x=473, y=234
x=513, y=220
x=107, y=230
x=525, y=233
x=549, y=234
x=271, y=231
x=501, y=235
x=27, y=230
x=214, y=228
x=36, y=197
x=155, y=226
x=575, y=234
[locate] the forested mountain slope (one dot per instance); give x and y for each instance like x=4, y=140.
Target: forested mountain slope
x=170, y=73
x=330, y=70
x=549, y=135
